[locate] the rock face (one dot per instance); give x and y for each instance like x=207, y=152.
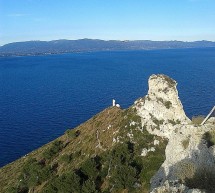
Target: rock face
x=161, y=110
x=190, y=156
x=190, y=152
x=175, y=187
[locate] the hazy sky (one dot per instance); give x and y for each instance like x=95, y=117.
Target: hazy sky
x=22, y=20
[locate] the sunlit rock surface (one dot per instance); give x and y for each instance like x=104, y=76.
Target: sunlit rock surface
x=190, y=152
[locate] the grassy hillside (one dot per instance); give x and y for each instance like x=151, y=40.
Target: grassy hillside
x=101, y=155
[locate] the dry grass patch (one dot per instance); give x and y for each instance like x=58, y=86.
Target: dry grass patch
x=185, y=143
x=197, y=120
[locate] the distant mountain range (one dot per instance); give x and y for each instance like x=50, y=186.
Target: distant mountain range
x=83, y=45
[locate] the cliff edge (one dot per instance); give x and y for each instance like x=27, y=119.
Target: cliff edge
x=190, y=152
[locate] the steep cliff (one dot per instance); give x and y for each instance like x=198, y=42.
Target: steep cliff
x=161, y=110
x=190, y=152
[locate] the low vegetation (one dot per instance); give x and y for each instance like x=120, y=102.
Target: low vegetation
x=169, y=80
x=174, y=122
x=203, y=178
x=167, y=104
x=185, y=143
x=55, y=148
x=185, y=170
x=209, y=137
x=76, y=163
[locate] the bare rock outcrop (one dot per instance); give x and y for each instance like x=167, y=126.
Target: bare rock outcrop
x=190, y=152
x=175, y=187
x=161, y=110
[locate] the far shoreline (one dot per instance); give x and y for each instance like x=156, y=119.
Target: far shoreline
x=94, y=51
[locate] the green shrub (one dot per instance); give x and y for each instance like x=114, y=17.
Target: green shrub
x=34, y=173
x=72, y=133
x=169, y=80
x=204, y=178
x=178, y=121
x=156, y=121
x=172, y=122
x=67, y=183
x=49, y=188
x=121, y=154
x=209, y=137
x=19, y=189
x=89, y=187
x=123, y=177
x=66, y=158
x=185, y=143
x=167, y=104
x=90, y=168
x=55, y=148
x=185, y=170
x=150, y=167
x=160, y=99
x=119, y=169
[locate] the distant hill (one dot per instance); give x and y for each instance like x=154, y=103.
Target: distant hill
x=82, y=45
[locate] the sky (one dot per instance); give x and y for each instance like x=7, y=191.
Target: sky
x=186, y=20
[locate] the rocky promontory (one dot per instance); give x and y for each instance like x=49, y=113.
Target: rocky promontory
x=150, y=147
x=190, y=152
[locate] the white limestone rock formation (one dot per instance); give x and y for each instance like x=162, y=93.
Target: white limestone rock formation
x=190, y=152
x=175, y=187
x=189, y=155
x=161, y=110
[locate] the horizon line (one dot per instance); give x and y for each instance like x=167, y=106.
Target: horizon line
x=126, y=40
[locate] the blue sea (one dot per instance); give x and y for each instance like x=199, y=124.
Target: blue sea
x=42, y=96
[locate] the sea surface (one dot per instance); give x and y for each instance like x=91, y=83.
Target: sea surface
x=42, y=96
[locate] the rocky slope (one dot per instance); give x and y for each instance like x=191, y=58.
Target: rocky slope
x=151, y=146
x=190, y=152
x=101, y=155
